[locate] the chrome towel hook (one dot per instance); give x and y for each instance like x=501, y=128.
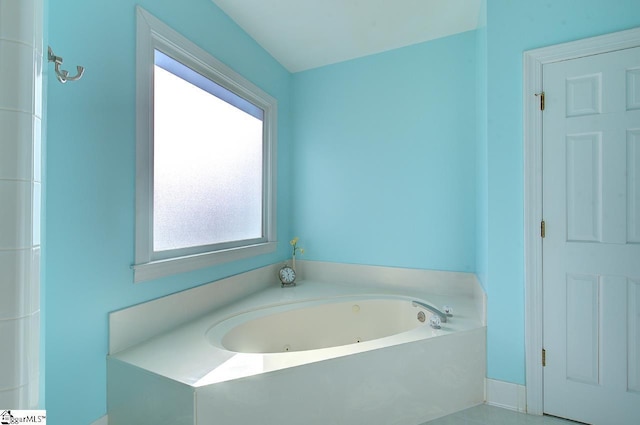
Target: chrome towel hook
x=61, y=74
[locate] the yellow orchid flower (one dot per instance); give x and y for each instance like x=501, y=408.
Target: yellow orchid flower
x=294, y=243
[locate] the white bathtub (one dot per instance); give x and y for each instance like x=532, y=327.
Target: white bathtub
x=314, y=354
x=319, y=324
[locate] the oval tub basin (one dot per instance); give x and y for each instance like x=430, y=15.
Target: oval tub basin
x=316, y=325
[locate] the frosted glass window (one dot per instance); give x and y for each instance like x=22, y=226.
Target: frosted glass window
x=207, y=163
x=205, y=158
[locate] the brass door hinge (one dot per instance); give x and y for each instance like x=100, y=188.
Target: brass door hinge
x=544, y=357
x=541, y=96
x=543, y=229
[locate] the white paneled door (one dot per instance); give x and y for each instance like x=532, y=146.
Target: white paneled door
x=591, y=250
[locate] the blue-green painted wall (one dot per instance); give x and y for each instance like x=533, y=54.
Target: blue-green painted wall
x=384, y=157
x=393, y=159
x=91, y=182
x=512, y=28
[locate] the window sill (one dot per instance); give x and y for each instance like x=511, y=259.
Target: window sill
x=161, y=268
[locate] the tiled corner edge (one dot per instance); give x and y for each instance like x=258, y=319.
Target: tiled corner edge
x=506, y=395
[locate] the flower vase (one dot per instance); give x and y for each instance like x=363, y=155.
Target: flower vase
x=293, y=263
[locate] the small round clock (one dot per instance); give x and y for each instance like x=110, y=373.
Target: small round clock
x=287, y=276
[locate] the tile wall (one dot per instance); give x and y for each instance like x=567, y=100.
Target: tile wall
x=21, y=61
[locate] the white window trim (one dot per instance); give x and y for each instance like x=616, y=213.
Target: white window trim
x=152, y=34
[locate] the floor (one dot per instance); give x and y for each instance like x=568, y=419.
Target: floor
x=489, y=415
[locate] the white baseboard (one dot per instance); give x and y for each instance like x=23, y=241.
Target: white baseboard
x=102, y=421
x=506, y=395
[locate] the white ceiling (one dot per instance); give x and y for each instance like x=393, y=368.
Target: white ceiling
x=305, y=34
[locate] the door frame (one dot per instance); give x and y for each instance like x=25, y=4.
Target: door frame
x=533, y=62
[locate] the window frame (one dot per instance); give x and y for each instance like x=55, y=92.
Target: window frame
x=153, y=34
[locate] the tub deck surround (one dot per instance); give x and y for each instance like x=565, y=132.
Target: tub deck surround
x=186, y=355
x=133, y=325
x=433, y=372
x=432, y=282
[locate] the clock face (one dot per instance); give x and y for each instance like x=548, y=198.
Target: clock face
x=287, y=275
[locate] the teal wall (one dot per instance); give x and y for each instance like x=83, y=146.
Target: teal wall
x=91, y=182
x=512, y=28
x=384, y=157
x=408, y=158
